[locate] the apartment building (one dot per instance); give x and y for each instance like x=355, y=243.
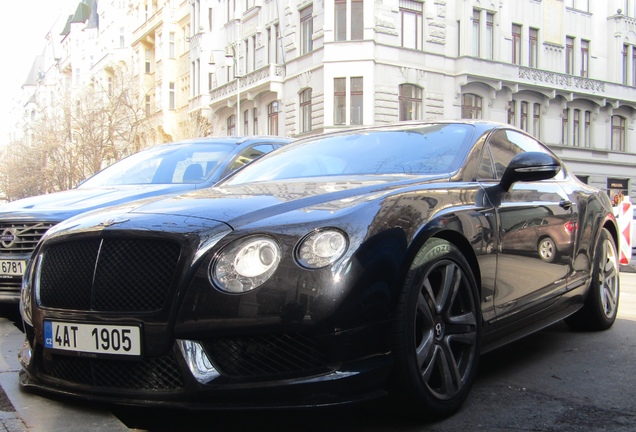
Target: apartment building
x=563, y=70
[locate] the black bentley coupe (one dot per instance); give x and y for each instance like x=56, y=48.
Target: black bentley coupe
x=338, y=268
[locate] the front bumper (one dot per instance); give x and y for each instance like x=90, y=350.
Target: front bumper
x=241, y=382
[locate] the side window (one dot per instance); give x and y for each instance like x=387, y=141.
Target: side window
x=250, y=154
x=503, y=150
x=485, y=170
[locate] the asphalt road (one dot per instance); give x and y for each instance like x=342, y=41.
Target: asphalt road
x=555, y=380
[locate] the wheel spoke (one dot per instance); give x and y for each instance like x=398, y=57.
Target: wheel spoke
x=450, y=286
x=608, y=279
x=464, y=324
x=449, y=370
x=424, y=329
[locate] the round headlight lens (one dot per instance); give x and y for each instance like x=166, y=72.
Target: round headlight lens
x=321, y=248
x=245, y=264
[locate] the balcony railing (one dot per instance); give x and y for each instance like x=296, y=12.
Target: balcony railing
x=247, y=82
x=557, y=79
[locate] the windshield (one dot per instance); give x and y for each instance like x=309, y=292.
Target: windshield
x=179, y=163
x=422, y=150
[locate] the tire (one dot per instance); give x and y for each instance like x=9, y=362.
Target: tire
x=547, y=249
x=437, y=332
x=601, y=304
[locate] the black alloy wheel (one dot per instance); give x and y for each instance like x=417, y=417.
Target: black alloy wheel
x=601, y=304
x=437, y=332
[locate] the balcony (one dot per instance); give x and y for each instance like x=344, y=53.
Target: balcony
x=259, y=81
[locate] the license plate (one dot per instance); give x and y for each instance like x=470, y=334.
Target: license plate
x=12, y=267
x=93, y=338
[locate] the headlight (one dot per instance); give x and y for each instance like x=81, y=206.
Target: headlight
x=245, y=264
x=321, y=248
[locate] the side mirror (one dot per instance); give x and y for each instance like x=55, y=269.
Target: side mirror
x=530, y=166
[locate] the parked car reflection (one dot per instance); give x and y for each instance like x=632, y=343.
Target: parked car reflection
x=549, y=236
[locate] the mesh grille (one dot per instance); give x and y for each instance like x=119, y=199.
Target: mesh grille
x=156, y=374
x=110, y=275
x=267, y=355
x=21, y=238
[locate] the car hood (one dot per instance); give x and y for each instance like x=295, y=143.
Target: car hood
x=63, y=205
x=241, y=205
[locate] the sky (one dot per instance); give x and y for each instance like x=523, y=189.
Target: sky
x=23, y=28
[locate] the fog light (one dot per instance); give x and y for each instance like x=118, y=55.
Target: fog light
x=24, y=354
x=198, y=361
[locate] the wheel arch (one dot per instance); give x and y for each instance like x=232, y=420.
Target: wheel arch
x=467, y=250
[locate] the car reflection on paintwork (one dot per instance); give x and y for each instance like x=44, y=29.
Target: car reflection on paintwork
x=548, y=236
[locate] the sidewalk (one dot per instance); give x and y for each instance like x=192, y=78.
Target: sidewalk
x=21, y=411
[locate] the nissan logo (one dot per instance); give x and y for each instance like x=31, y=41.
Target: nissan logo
x=8, y=238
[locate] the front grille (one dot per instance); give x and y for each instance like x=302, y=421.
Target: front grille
x=114, y=275
x=11, y=285
x=154, y=374
x=265, y=356
x=21, y=238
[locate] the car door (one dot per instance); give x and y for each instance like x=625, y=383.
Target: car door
x=526, y=281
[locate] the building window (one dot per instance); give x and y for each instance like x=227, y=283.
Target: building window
x=339, y=101
x=533, y=48
x=564, y=127
x=276, y=46
x=122, y=37
x=410, y=102
x=210, y=20
x=569, y=55
x=576, y=122
x=536, y=120
x=356, y=100
x=171, y=96
x=412, y=22
x=147, y=106
x=633, y=66
x=340, y=26
x=231, y=125
x=148, y=57
x=171, y=45
x=272, y=118
x=306, y=30
x=255, y=121
x=524, y=116
x=586, y=129
x=618, y=133
x=357, y=19
x=471, y=106
x=305, y=111
x=585, y=58
x=476, y=33
x=516, y=44
x=246, y=122
x=625, y=53
x=490, y=35
x=512, y=114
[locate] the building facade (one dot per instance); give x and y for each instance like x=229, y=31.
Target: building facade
x=563, y=70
